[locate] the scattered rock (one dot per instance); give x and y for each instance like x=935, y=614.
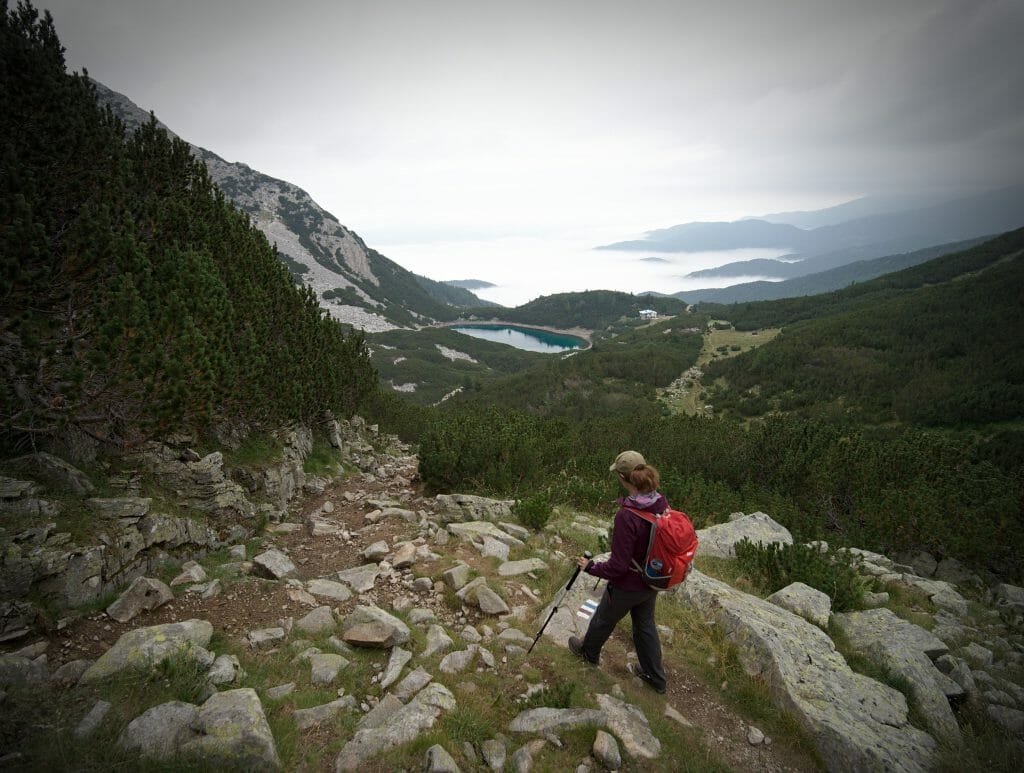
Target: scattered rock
x=233, y=732
x=225, y=670
x=361, y=578
x=438, y=641
x=630, y=725
x=376, y=551
x=145, y=647
x=329, y=589
x=160, y=731
x=456, y=577
x=439, y=761
x=307, y=718
x=513, y=568
x=720, y=540
x=800, y=599
x=457, y=662
x=548, y=720
x=373, y=627
x=275, y=565
x=192, y=572
x=281, y=691
x=412, y=684
x=606, y=751
x=144, y=594
x=92, y=720
x=320, y=620
x=491, y=603
x=494, y=753
x=265, y=638
x=324, y=668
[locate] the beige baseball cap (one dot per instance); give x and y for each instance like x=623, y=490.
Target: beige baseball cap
x=626, y=462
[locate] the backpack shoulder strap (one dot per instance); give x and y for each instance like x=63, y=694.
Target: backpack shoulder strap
x=649, y=517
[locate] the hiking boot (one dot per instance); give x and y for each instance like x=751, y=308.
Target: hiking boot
x=639, y=673
x=576, y=648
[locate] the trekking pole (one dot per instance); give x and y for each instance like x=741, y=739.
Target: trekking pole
x=586, y=554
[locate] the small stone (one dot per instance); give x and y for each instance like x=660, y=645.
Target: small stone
x=754, y=736
x=92, y=720
x=282, y=690
x=606, y=751
x=439, y=761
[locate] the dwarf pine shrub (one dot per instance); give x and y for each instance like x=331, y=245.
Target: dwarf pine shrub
x=774, y=566
x=534, y=511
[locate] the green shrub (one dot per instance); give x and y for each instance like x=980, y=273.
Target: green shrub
x=774, y=566
x=534, y=510
x=557, y=696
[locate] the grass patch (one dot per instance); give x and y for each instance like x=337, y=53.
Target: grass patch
x=257, y=451
x=324, y=460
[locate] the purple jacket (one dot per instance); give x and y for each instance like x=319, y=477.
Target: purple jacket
x=629, y=543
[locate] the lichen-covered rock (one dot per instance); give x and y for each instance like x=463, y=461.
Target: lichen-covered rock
x=490, y=602
x=549, y=720
x=720, y=540
x=143, y=648
x=513, y=568
x=438, y=641
x=855, y=722
x=275, y=565
x=465, y=507
x=233, y=731
x=307, y=718
x=160, y=731
x=908, y=650
x=56, y=471
x=144, y=594
x=18, y=671
x=800, y=599
x=438, y=760
x=630, y=724
x=393, y=670
x=457, y=662
x=373, y=627
x=360, y=578
x=606, y=751
x=320, y=620
x=403, y=726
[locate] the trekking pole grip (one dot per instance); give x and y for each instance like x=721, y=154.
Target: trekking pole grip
x=586, y=554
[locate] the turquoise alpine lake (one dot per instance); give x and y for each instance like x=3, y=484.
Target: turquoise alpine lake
x=528, y=338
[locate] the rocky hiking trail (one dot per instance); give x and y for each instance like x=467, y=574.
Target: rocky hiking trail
x=282, y=600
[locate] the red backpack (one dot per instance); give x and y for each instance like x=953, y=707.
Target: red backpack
x=670, y=549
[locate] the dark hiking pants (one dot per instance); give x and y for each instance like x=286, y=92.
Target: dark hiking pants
x=615, y=603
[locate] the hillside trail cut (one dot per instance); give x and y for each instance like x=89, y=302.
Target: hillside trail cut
x=329, y=533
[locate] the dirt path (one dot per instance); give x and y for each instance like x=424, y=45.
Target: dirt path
x=253, y=604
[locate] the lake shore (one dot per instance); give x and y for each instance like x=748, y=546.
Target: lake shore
x=576, y=332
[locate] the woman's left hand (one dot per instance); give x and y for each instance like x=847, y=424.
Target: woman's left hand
x=582, y=562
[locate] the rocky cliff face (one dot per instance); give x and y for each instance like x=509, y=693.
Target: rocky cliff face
x=318, y=250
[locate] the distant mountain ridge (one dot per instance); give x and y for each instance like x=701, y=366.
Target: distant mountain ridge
x=831, y=246
x=354, y=283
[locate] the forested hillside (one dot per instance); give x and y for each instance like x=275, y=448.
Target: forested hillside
x=135, y=298
x=935, y=345
x=593, y=310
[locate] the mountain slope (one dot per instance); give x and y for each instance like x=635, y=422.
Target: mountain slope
x=935, y=345
x=364, y=288
x=822, y=281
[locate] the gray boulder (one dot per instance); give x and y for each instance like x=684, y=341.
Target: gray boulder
x=908, y=650
x=307, y=718
x=630, y=724
x=361, y=578
x=144, y=594
x=376, y=551
x=494, y=753
x=477, y=530
x=143, y=648
x=457, y=662
x=439, y=761
x=225, y=669
x=320, y=620
x=373, y=627
x=274, y=565
x=606, y=751
x=91, y=721
x=403, y=726
x=265, y=638
x=159, y=732
x=494, y=548
x=855, y=722
x=720, y=540
x=232, y=731
x=414, y=682
x=456, y=577
x=324, y=668
x=396, y=663
x=465, y=507
x=513, y=568
x=438, y=641
x=490, y=602
x=548, y=720
x=329, y=589
x=800, y=599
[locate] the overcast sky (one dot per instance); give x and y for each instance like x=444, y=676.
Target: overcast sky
x=414, y=121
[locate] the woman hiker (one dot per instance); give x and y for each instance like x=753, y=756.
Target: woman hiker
x=626, y=590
